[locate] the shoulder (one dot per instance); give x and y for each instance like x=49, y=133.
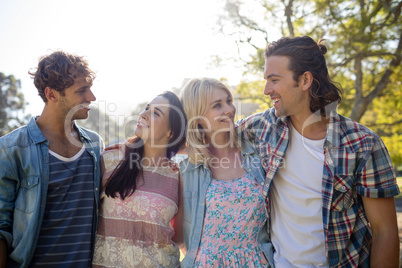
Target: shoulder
x=355, y=134
x=186, y=167
x=259, y=119
x=18, y=137
x=111, y=159
x=355, y=127
x=248, y=147
x=17, y=152
x=193, y=174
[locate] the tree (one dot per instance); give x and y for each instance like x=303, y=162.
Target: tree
x=365, y=51
x=12, y=104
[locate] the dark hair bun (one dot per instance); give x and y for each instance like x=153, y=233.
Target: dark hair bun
x=322, y=47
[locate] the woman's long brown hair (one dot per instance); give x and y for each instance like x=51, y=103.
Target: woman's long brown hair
x=123, y=179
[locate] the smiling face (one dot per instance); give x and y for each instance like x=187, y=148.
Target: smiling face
x=220, y=114
x=287, y=95
x=76, y=100
x=153, y=122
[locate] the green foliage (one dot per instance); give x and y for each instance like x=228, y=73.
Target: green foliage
x=12, y=104
x=257, y=61
x=252, y=91
x=364, y=41
x=385, y=118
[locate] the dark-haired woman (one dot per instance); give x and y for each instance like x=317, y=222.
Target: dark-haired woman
x=141, y=192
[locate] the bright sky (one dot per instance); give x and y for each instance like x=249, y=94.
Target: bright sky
x=139, y=48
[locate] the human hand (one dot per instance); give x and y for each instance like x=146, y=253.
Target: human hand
x=173, y=165
x=116, y=146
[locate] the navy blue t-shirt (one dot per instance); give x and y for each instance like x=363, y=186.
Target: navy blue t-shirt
x=65, y=235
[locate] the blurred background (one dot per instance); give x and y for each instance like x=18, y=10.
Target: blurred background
x=142, y=48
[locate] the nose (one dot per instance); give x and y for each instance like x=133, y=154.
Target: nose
x=144, y=114
x=267, y=89
x=91, y=96
x=230, y=109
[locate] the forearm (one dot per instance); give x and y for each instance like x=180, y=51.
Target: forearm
x=247, y=127
x=381, y=214
x=385, y=249
x=3, y=253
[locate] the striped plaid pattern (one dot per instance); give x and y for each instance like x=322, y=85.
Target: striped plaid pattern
x=356, y=164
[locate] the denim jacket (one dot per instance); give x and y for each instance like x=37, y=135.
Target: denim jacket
x=24, y=177
x=196, y=180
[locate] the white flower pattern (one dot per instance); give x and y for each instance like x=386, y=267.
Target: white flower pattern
x=136, y=232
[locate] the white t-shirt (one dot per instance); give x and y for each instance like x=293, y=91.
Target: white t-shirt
x=296, y=205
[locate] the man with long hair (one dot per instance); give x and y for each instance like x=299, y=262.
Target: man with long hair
x=49, y=175
x=330, y=180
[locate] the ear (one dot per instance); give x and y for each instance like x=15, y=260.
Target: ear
x=202, y=123
x=51, y=94
x=306, y=80
x=170, y=134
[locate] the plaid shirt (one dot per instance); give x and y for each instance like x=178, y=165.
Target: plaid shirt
x=356, y=164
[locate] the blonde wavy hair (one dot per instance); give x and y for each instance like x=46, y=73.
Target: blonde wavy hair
x=196, y=98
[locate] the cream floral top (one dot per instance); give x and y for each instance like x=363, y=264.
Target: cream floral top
x=137, y=232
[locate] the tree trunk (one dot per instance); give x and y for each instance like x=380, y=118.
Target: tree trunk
x=361, y=102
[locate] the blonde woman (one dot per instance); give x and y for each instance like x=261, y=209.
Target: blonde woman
x=224, y=204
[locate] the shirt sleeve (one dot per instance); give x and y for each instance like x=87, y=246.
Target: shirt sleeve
x=8, y=191
x=247, y=127
x=376, y=173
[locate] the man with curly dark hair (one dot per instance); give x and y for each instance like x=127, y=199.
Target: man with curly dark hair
x=50, y=174
x=330, y=181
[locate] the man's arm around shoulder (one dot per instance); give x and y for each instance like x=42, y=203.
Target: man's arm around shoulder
x=248, y=127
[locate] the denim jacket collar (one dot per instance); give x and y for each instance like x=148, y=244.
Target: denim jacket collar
x=35, y=132
x=38, y=137
x=82, y=133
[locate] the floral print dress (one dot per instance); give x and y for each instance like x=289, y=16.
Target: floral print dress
x=137, y=231
x=235, y=213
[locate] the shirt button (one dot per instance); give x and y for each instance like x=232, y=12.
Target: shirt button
x=262, y=184
x=343, y=188
x=96, y=189
x=267, y=185
x=92, y=152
